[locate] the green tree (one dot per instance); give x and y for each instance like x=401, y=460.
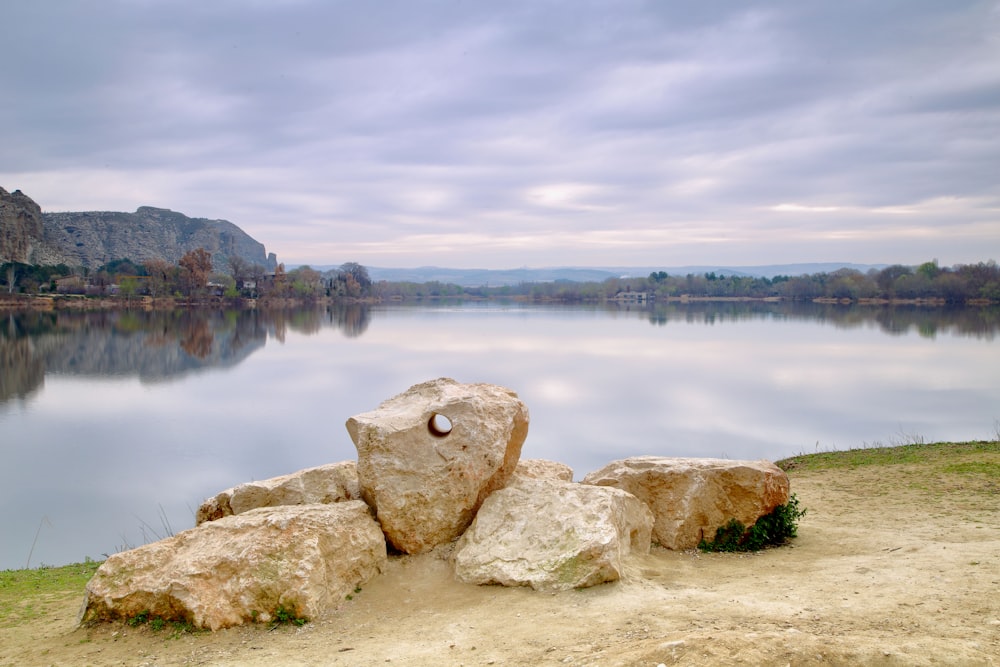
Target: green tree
x=887, y=277
x=306, y=282
x=128, y=287
x=929, y=270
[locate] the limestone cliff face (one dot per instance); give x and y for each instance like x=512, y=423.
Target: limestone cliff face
x=97, y=237
x=93, y=238
x=22, y=232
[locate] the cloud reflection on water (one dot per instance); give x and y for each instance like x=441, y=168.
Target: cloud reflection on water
x=101, y=450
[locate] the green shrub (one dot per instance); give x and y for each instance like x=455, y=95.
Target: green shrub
x=284, y=615
x=139, y=619
x=770, y=530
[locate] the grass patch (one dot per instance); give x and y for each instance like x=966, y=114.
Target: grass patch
x=986, y=453
x=989, y=469
x=26, y=594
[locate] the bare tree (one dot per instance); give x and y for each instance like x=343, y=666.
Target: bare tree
x=197, y=265
x=161, y=274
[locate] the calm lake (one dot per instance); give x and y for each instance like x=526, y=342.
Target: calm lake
x=114, y=426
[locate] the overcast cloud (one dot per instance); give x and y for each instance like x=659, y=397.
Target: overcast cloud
x=541, y=133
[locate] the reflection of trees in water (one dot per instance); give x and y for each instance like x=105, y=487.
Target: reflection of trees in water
x=351, y=318
x=21, y=370
x=196, y=338
x=305, y=321
x=927, y=321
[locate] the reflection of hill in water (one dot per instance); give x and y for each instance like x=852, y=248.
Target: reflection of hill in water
x=153, y=346
x=150, y=346
x=149, y=356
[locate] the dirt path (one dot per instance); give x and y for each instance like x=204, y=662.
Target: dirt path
x=893, y=566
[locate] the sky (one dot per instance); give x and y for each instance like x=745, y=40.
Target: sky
x=508, y=134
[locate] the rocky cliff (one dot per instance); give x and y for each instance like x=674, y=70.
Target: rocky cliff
x=22, y=231
x=93, y=238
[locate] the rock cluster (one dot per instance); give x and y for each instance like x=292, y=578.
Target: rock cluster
x=437, y=465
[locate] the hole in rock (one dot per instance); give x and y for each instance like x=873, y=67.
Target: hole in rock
x=439, y=425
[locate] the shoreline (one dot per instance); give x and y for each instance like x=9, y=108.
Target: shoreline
x=21, y=302
x=890, y=566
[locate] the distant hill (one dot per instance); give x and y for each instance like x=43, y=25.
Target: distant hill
x=93, y=238
x=500, y=277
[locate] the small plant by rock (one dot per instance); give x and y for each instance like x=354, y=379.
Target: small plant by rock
x=770, y=530
x=283, y=615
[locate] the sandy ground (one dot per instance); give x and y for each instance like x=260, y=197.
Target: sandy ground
x=890, y=568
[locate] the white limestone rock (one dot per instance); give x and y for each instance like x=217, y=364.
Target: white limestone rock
x=303, y=558
x=543, y=469
x=552, y=535
x=331, y=483
x=428, y=457
x=692, y=497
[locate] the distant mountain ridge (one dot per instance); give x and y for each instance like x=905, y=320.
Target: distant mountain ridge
x=93, y=238
x=501, y=277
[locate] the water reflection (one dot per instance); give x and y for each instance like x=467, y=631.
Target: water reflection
x=134, y=416
x=894, y=320
x=153, y=346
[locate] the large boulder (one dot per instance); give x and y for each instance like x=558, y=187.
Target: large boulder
x=302, y=560
x=692, y=498
x=331, y=483
x=428, y=457
x=552, y=535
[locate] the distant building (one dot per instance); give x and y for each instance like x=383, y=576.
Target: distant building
x=633, y=297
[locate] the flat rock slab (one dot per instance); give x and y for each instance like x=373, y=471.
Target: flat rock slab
x=543, y=469
x=691, y=498
x=331, y=483
x=552, y=535
x=428, y=457
x=304, y=559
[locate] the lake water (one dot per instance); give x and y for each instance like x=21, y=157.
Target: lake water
x=115, y=426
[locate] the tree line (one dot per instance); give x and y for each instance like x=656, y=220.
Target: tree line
x=959, y=284
x=193, y=276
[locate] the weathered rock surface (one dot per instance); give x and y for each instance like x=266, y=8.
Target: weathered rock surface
x=552, y=535
x=428, y=457
x=691, y=498
x=304, y=559
x=94, y=237
x=22, y=232
x=332, y=483
x=90, y=238
x=544, y=469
